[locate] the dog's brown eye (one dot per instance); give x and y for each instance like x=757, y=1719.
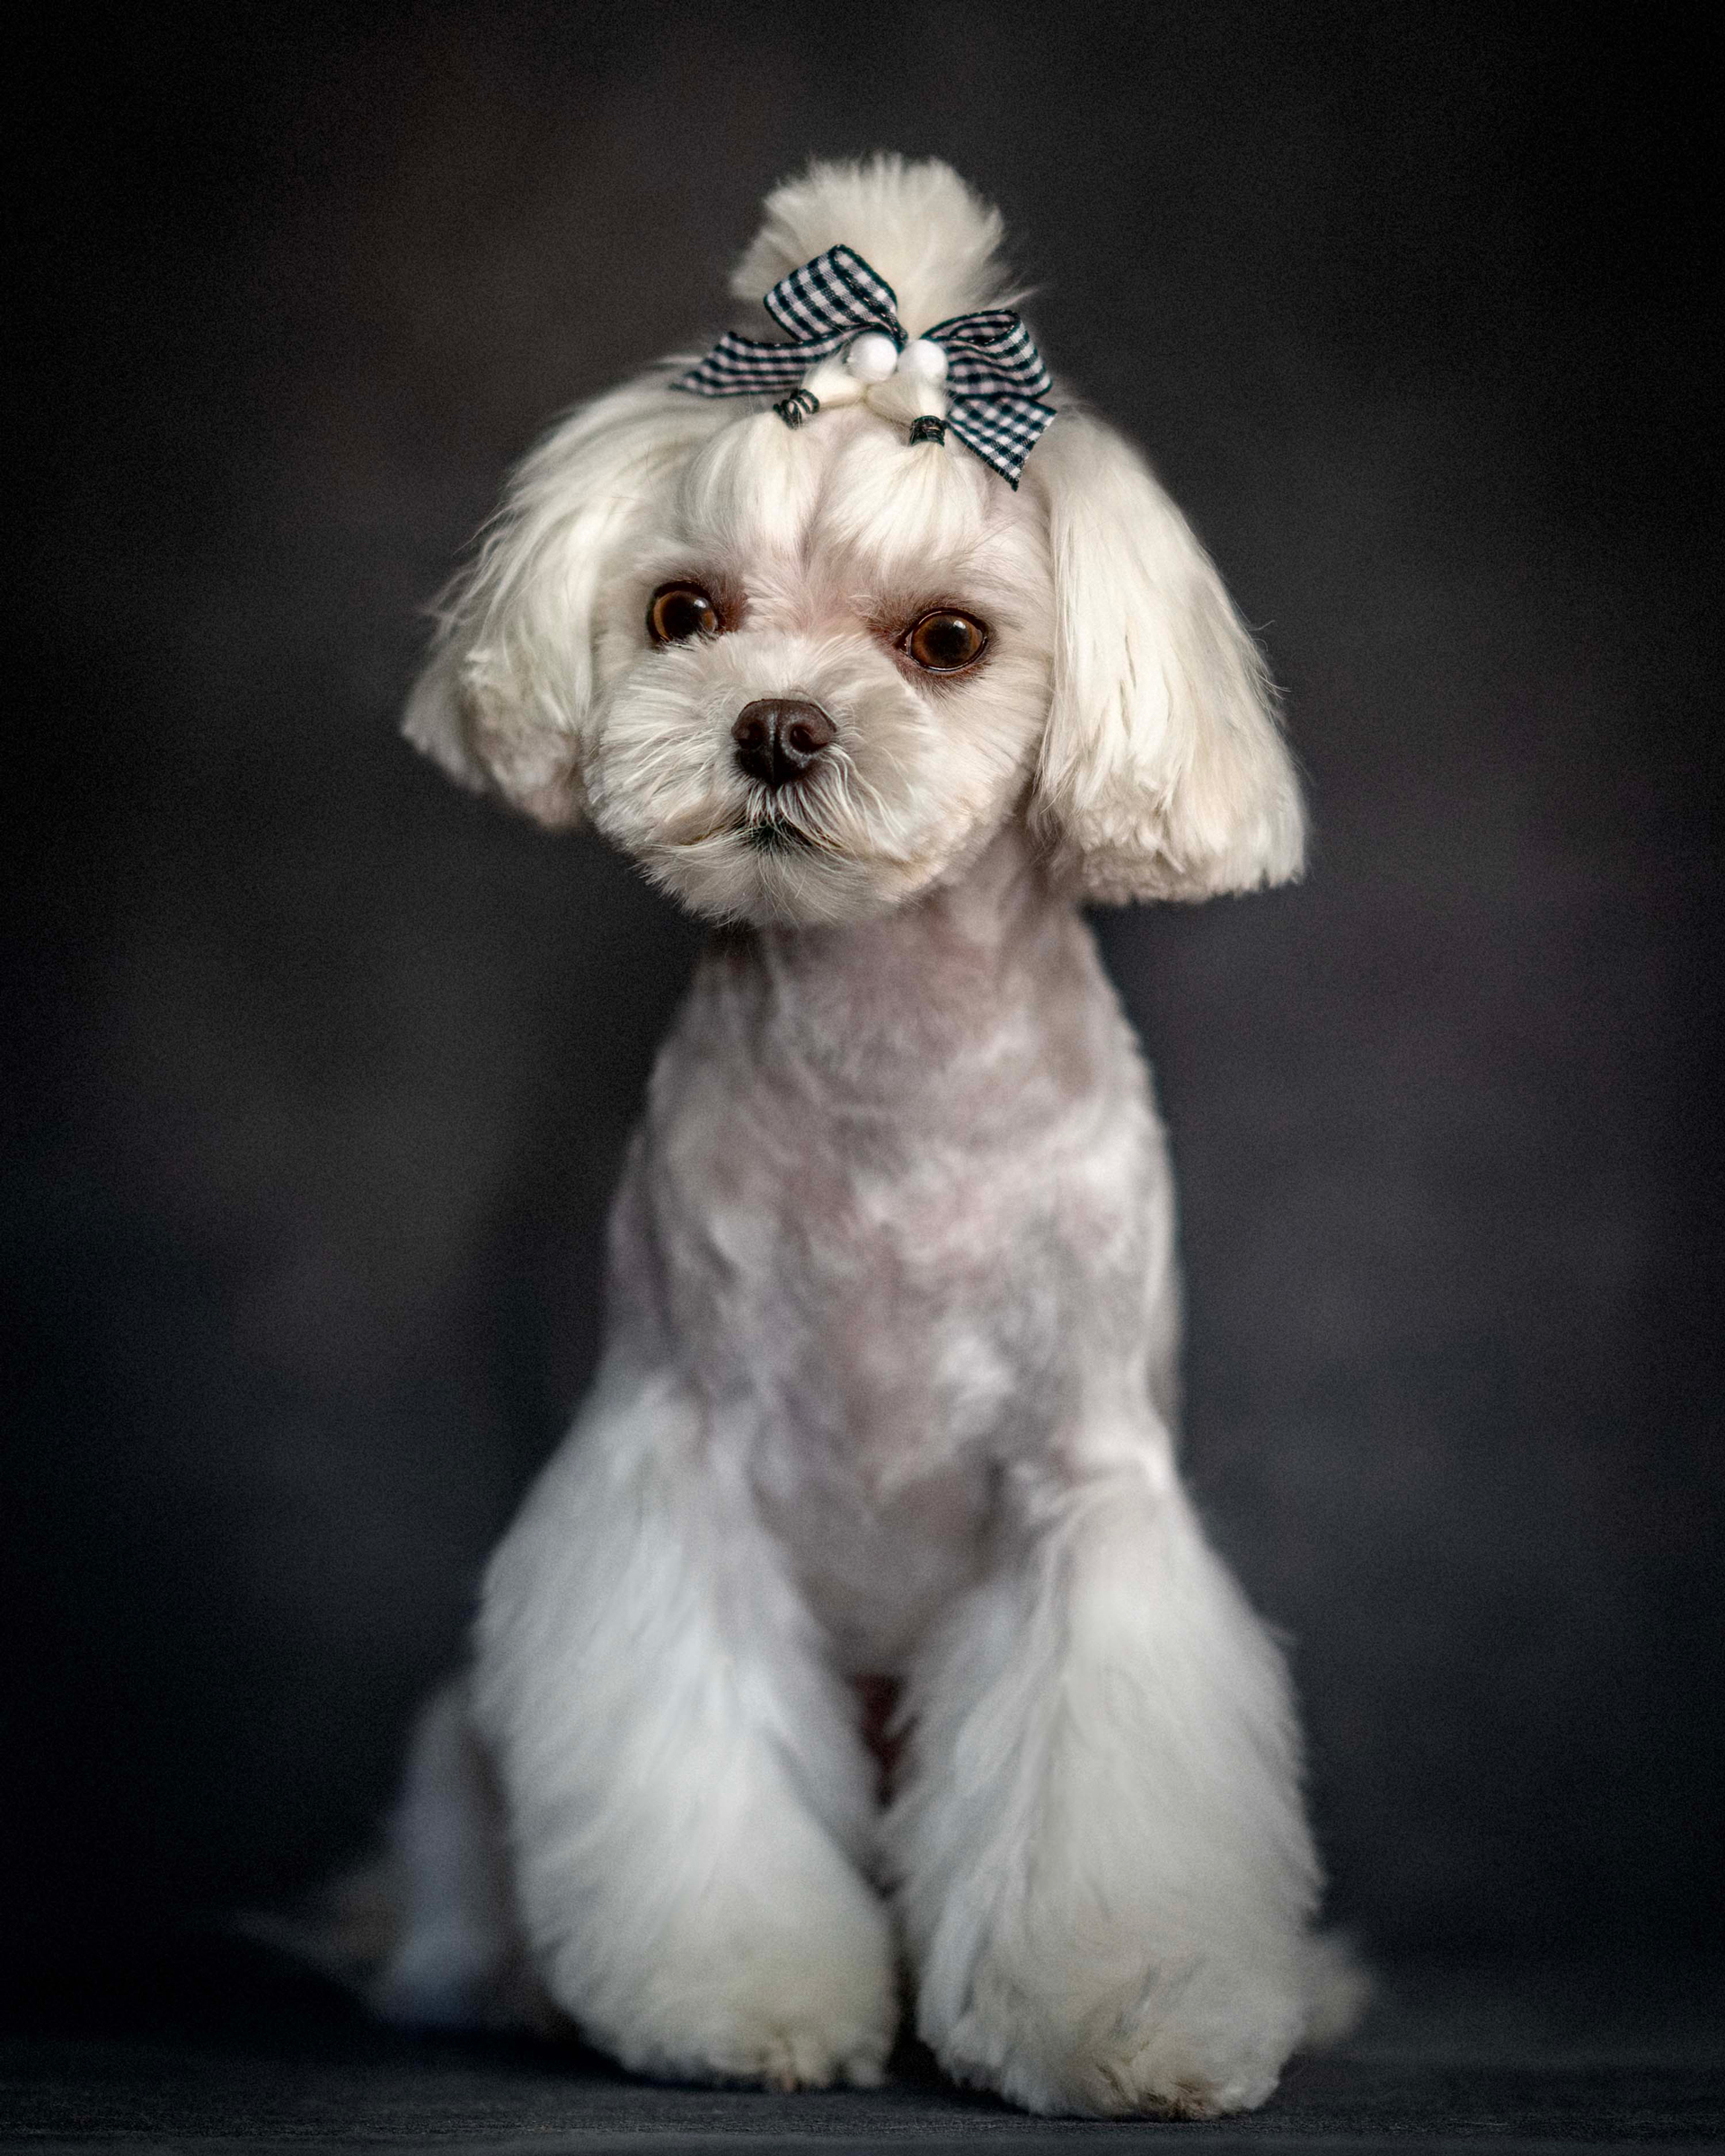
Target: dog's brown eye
x=677, y=612
x=945, y=642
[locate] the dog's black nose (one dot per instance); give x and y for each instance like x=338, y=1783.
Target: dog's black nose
x=778, y=739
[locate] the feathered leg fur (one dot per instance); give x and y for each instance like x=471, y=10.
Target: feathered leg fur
x=1104, y=1867
x=688, y=1798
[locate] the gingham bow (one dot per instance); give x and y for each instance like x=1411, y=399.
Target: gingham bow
x=994, y=372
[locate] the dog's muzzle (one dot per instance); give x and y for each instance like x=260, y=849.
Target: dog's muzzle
x=779, y=739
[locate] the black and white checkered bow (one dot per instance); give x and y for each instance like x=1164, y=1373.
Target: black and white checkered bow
x=995, y=373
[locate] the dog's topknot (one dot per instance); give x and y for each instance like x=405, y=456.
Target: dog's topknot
x=915, y=221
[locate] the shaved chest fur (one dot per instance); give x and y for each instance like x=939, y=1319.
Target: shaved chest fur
x=899, y=1243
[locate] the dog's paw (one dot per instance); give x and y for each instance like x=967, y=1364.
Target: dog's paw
x=784, y=2048
x=778, y=2039
x=791, y=2012
x=1192, y=2042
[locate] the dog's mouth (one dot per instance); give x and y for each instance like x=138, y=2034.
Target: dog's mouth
x=774, y=835
x=760, y=829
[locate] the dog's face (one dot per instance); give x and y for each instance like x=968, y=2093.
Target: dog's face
x=802, y=675
x=825, y=668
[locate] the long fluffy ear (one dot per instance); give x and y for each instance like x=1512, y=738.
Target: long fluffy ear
x=1164, y=774
x=503, y=700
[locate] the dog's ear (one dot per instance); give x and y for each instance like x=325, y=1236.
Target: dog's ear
x=1162, y=774
x=504, y=700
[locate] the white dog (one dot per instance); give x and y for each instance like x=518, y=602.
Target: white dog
x=888, y=1386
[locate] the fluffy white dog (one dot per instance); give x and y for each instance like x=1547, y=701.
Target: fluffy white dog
x=889, y=1387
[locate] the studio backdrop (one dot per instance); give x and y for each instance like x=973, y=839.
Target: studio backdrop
x=323, y=1071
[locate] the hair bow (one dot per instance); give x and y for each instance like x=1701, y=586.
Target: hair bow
x=993, y=373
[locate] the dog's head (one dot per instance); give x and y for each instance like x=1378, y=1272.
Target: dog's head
x=802, y=675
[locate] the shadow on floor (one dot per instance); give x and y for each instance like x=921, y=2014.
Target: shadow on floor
x=220, y=2047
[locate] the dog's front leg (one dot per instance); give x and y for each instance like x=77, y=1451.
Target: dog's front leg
x=686, y=1796
x=1104, y=1869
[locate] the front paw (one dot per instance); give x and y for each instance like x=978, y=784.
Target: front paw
x=800, y=2012
x=1190, y=2038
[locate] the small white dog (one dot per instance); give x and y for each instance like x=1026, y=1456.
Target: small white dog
x=889, y=1387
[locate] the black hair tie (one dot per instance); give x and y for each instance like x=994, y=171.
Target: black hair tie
x=800, y=405
x=928, y=428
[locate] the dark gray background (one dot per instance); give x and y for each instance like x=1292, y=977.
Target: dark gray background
x=321, y=1071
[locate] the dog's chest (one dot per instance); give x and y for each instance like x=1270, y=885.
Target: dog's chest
x=892, y=1296
x=885, y=1305
x=878, y=1331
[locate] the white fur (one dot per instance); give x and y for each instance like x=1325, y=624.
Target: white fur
x=458, y=1957
x=936, y=241
x=889, y=1379
x=690, y=1803
x=1109, y=1704
x=1163, y=773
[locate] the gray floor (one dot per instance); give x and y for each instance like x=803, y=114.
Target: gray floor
x=1602, y=2056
